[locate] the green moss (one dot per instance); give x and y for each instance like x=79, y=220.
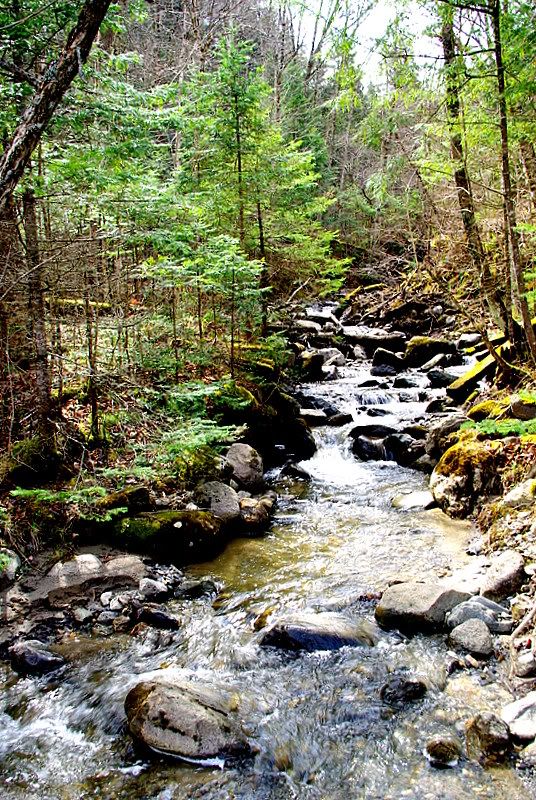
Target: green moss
x=182, y=536
x=488, y=409
x=32, y=461
x=466, y=456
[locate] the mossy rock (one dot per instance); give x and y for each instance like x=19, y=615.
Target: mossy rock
x=32, y=462
x=488, y=409
x=134, y=498
x=183, y=537
x=421, y=349
x=466, y=473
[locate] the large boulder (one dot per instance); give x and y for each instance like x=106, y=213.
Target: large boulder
x=184, y=720
x=504, y=577
x=403, y=449
x=321, y=631
x=387, y=358
x=413, y=607
x=220, y=499
x=466, y=472
x=68, y=580
x=247, y=466
x=180, y=536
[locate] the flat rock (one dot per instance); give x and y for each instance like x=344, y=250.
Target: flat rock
x=74, y=578
x=520, y=716
x=314, y=416
x=474, y=636
x=321, y=631
x=184, y=720
x=505, y=576
x=414, y=607
x=412, y=500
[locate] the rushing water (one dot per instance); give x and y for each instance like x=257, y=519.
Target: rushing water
x=317, y=719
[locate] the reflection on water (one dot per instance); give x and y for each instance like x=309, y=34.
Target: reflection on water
x=320, y=727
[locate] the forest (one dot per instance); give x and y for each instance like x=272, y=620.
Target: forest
x=176, y=176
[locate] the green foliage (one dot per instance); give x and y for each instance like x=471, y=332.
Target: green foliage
x=4, y=562
x=83, y=502
x=497, y=428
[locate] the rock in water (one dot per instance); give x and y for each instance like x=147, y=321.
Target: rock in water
x=399, y=689
x=184, y=720
x=33, y=658
x=472, y=635
x=9, y=567
x=487, y=738
x=414, y=607
x=443, y=751
x=322, y=631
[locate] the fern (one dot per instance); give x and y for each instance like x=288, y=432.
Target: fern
x=502, y=427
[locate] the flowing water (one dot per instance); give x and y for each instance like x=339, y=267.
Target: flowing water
x=317, y=719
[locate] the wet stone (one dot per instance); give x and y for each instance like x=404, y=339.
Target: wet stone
x=443, y=751
x=157, y=617
x=487, y=738
x=399, y=689
x=322, y=631
x=33, y=658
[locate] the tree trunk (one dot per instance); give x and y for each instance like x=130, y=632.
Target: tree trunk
x=518, y=281
x=56, y=81
x=37, y=316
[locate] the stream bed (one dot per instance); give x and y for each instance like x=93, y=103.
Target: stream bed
x=317, y=721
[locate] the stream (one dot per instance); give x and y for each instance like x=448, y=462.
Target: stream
x=317, y=720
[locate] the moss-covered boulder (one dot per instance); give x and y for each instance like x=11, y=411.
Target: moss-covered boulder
x=488, y=409
x=421, y=349
x=183, y=537
x=466, y=472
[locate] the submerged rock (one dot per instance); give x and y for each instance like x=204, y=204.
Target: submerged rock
x=487, y=738
x=184, y=720
x=414, y=607
x=443, y=751
x=256, y=512
x=34, y=658
x=321, y=631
